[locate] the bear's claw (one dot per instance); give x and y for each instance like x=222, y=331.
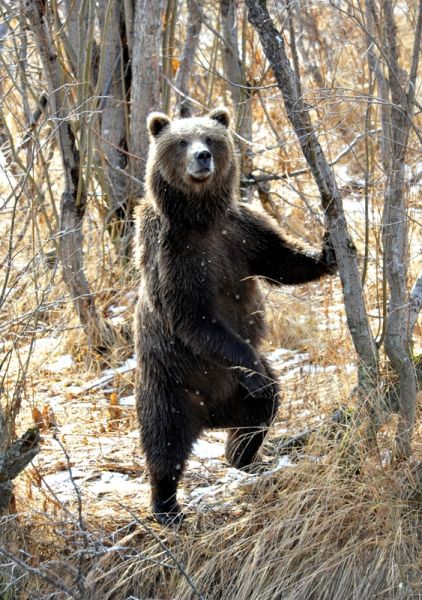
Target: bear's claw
x=328, y=254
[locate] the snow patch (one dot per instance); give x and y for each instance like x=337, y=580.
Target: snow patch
x=227, y=484
x=96, y=484
x=63, y=362
x=114, y=483
x=204, y=449
x=108, y=374
x=116, y=310
x=285, y=359
x=61, y=484
x=278, y=354
x=127, y=401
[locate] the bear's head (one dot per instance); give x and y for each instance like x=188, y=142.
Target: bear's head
x=192, y=157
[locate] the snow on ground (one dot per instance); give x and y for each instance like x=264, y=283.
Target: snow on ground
x=67, y=485
x=64, y=361
x=127, y=401
x=203, y=497
x=204, y=449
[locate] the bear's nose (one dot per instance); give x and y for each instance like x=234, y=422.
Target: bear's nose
x=204, y=158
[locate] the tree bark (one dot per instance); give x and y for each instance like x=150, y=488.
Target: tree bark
x=183, y=102
x=113, y=129
x=235, y=75
x=395, y=230
x=73, y=201
x=415, y=303
x=274, y=48
x=168, y=69
x=146, y=80
x=14, y=458
x=382, y=84
x=307, y=22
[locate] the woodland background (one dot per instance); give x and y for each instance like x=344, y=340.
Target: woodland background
x=326, y=109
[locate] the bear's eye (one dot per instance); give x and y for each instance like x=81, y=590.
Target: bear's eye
x=183, y=143
x=209, y=141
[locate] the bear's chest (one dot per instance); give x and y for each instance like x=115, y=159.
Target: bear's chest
x=223, y=262
x=237, y=295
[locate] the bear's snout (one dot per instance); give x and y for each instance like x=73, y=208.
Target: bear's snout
x=201, y=163
x=204, y=158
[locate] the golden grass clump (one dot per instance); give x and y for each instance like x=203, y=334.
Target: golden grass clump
x=315, y=531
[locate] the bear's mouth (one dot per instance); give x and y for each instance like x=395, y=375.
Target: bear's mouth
x=201, y=174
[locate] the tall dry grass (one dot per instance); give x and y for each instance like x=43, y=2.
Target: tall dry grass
x=321, y=530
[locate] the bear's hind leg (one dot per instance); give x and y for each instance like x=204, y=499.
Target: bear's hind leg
x=167, y=434
x=243, y=445
x=250, y=419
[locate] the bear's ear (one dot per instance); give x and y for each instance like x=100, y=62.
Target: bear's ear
x=221, y=115
x=156, y=122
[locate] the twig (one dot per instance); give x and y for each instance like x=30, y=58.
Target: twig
x=130, y=365
x=251, y=180
x=80, y=579
x=166, y=550
x=341, y=416
x=56, y=583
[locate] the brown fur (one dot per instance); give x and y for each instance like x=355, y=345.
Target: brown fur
x=199, y=319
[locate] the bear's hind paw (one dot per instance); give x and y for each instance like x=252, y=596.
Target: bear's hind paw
x=169, y=519
x=167, y=512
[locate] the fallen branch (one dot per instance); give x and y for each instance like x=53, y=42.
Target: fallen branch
x=341, y=416
x=109, y=375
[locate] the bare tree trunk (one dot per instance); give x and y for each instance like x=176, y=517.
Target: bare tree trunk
x=114, y=121
x=74, y=28
x=415, y=303
x=235, y=75
x=395, y=228
x=273, y=45
x=73, y=199
x=146, y=79
x=231, y=58
x=168, y=36
x=183, y=102
x=79, y=24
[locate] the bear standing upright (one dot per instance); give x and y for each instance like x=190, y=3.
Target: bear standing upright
x=199, y=318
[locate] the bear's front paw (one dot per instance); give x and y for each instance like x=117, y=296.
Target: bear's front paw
x=328, y=255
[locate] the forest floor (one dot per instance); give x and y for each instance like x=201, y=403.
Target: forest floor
x=88, y=486
x=311, y=525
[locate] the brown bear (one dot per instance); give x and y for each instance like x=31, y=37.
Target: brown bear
x=199, y=318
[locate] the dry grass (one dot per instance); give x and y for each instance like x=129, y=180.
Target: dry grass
x=335, y=524
x=315, y=531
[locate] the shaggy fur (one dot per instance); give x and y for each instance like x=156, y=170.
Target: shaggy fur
x=199, y=319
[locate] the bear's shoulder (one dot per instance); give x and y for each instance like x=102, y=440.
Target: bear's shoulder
x=249, y=218
x=147, y=228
